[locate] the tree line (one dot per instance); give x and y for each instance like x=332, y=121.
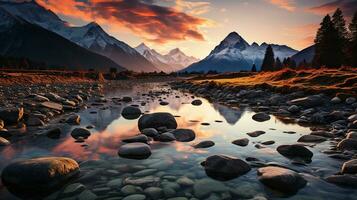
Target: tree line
x=335, y=46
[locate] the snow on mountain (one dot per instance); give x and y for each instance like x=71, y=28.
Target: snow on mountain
x=90, y=36
x=175, y=60
x=235, y=54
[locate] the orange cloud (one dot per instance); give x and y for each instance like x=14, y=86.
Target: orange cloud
x=288, y=5
x=305, y=34
x=154, y=23
x=347, y=6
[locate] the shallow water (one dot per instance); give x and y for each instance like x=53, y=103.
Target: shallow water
x=100, y=163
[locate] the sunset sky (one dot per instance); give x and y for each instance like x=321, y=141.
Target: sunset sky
x=196, y=26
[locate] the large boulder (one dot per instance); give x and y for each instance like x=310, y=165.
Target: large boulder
x=222, y=167
x=11, y=115
x=157, y=120
x=281, y=179
x=135, y=150
x=38, y=177
x=295, y=151
x=349, y=167
x=347, y=144
x=184, y=135
x=131, y=112
x=348, y=180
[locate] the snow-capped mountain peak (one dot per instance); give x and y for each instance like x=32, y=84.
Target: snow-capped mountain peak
x=142, y=48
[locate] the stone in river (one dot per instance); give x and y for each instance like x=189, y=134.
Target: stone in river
x=204, y=187
x=73, y=119
x=4, y=142
x=34, y=121
x=344, y=180
x=295, y=151
x=156, y=120
x=204, y=144
x=311, y=138
x=261, y=117
x=223, y=167
x=52, y=105
x=308, y=102
x=2, y=124
x=164, y=103
x=11, y=115
x=256, y=133
x=80, y=132
x=196, y=102
x=352, y=118
x=184, y=135
x=131, y=112
x=166, y=137
x=135, y=197
x=281, y=179
x=38, y=177
x=269, y=142
x=150, y=132
x=153, y=192
x=241, y=142
x=135, y=151
x=349, y=167
x=127, y=99
x=138, y=138
x=347, y=144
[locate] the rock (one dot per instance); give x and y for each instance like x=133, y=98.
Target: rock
x=241, y=142
x=145, y=172
x=204, y=187
x=336, y=100
x=166, y=137
x=4, y=142
x=74, y=188
x=294, y=109
x=281, y=179
x=69, y=103
x=2, y=124
x=156, y=120
x=115, y=183
x=164, y=103
x=127, y=99
x=222, y=167
x=135, y=151
x=349, y=167
x=308, y=102
x=11, y=115
x=73, y=119
x=256, y=133
x=54, y=97
x=53, y=133
x=142, y=181
x=347, y=144
x=261, y=117
x=52, y=105
x=131, y=189
x=350, y=100
x=295, y=151
x=34, y=121
x=311, y=138
x=323, y=134
x=184, y=135
x=153, y=192
x=196, y=102
x=204, y=144
x=135, y=197
x=352, y=135
x=38, y=177
x=184, y=181
x=350, y=118
x=269, y=142
x=131, y=112
x=344, y=180
x=138, y=138
x=150, y=132
x=80, y=132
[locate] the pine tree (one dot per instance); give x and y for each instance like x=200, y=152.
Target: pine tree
x=340, y=25
x=278, y=64
x=268, y=61
x=254, y=68
x=353, y=49
x=328, y=49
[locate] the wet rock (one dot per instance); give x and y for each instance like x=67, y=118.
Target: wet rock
x=295, y=151
x=145, y=172
x=281, y=179
x=311, y=138
x=74, y=188
x=294, y=109
x=184, y=135
x=166, y=137
x=11, y=115
x=73, y=119
x=69, y=103
x=150, y=132
x=347, y=144
x=80, y=132
x=53, y=133
x=54, y=97
x=204, y=187
x=204, y=144
x=269, y=142
x=138, y=138
x=241, y=142
x=135, y=197
x=261, y=117
x=222, y=167
x=153, y=192
x=2, y=124
x=127, y=99
x=131, y=189
x=196, y=102
x=38, y=177
x=336, y=100
x=308, y=102
x=164, y=103
x=344, y=180
x=115, y=183
x=142, y=181
x=52, y=105
x=350, y=100
x=135, y=151
x=349, y=167
x=156, y=120
x=323, y=134
x=352, y=135
x=185, y=181
x=34, y=121
x=350, y=118
x=4, y=142
x=131, y=112
x=256, y=133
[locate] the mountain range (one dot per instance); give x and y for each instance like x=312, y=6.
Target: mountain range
x=235, y=54
x=175, y=60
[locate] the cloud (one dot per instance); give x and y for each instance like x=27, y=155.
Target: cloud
x=347, y=6
x=144, y=18
x=194, y=8
x=288, y=5
x=304, y=34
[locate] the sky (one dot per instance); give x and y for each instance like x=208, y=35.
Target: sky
x=197, y=26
